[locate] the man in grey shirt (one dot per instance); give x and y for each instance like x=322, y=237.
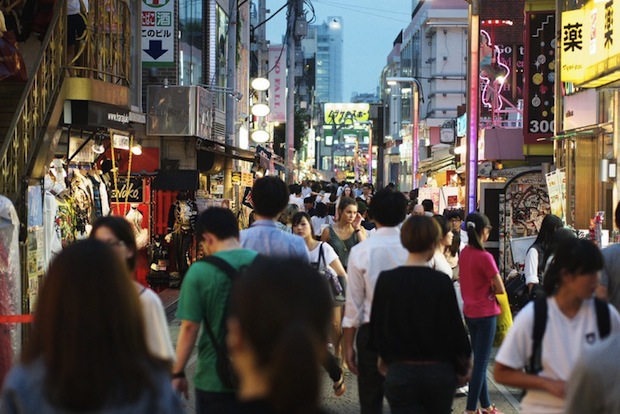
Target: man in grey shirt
x=269, y=197
x=609, y=288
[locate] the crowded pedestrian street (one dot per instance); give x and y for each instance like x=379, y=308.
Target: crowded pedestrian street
x=506, y=399
x=309, y=207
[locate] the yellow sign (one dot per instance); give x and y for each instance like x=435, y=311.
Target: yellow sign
x=595, y=28
x=247, y=180
x=346, y=113
x=236, y=178
x=574, y=44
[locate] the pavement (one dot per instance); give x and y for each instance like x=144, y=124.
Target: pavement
x=505, y=399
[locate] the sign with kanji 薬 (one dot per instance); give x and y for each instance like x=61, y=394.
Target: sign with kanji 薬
x=573, y=45
x=590, y=44
x=158, y=33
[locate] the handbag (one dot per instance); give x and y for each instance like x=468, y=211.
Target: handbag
x=334, y=281
x=517, y=291
x=504, y=319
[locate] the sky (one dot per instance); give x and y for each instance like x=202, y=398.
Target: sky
x=370, y=28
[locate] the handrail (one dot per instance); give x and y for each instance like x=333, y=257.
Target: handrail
x=34, y=107
x=105, y=52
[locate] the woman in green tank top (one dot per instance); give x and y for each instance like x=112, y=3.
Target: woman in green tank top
x=347, y=231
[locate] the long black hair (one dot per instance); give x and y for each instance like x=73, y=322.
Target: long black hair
x=576, y=256
x=284, y=309
x=549, y=225
x=475, y=224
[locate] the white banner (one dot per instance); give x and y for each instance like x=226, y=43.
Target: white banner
x=277, y=79
x=556, y=186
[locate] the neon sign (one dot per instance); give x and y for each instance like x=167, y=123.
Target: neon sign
x=493, y=72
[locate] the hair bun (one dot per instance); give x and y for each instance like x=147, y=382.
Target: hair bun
x=471, y=224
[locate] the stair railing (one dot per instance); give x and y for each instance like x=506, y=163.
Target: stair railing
x=34, y=108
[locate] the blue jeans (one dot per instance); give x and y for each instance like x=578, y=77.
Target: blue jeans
x=420, y=389
x=482, y=332
x=214, y=402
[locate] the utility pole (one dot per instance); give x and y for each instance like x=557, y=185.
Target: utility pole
x=290, y=91
x=231, y=97
x=297, y=28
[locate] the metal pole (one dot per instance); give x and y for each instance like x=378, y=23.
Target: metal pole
x=357, y=160
x=473, y=114
x=290, y=92
x=370, y=154
x=415, y=132
x=231, y=98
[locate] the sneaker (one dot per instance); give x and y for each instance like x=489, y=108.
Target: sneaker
x=490, y=410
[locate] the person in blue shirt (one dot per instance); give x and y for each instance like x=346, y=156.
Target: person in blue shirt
x=269, y=197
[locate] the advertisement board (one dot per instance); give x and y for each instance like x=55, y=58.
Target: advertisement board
x=158, y=23
x=539, y=76
x=277, y=80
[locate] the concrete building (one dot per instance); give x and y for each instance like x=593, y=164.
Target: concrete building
x=433, y=50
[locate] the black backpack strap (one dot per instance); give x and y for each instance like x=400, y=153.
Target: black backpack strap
x=602, y=317
x=231, y=272
x=538, y=331
x=223, y=265
x=321, y=255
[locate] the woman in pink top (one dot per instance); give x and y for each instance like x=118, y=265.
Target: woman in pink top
x=480, y=281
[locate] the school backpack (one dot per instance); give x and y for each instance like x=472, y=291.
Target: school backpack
x=540, y=324
x=223, y=364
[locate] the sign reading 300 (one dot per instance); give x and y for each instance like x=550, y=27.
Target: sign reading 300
x=346, y=113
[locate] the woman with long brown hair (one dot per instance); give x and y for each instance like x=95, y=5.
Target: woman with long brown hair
x=87, y=351
x=347, y=231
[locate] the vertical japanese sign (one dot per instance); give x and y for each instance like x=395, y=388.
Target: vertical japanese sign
x=539, y=76
x=158, y=33
x=574, y=45
x=277, y=78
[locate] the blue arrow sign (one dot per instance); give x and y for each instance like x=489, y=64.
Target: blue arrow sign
x=155, y=49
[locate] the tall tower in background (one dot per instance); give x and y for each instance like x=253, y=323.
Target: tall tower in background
x=325, y=42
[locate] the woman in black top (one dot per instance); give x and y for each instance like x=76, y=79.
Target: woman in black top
x=416, y=327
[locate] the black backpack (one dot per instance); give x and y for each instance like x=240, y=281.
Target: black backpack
x=540, y=324
x=223, y=365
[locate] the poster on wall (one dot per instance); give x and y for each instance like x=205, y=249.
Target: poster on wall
x=539, y=69
x=523, y=206
x=430, y=193
x=556, y=186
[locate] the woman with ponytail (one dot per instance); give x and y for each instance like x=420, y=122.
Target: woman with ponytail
x=573, y=323
x=278, y=329
x=480, y=282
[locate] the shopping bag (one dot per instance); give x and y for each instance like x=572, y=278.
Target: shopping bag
x=504, y=319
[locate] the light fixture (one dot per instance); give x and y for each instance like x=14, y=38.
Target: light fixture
x=98, y=145
x=260, y=136
x=260, y=110
x=136, y=148
x=260, y=84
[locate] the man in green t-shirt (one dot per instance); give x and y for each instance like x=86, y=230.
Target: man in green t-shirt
x=204, y=293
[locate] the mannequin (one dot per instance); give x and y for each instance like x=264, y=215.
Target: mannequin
x=181, y=225
x=158, y=263
x=134, y=216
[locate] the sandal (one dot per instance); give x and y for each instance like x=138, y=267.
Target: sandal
x=339, y=386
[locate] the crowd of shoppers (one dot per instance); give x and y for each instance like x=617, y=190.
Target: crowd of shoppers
x=418, y=321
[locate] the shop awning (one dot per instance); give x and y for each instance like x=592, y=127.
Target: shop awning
x=606, y=128
x=225, y=150
x=432, y=166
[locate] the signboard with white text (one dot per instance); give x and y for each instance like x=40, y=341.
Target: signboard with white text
x=157, y=33
x=277, y=79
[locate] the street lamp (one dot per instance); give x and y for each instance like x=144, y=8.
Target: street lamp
x=415, y=121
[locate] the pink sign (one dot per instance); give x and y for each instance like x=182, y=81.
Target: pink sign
x=277, y=79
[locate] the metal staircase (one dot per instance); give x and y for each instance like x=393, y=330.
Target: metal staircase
x=27, y=109
x=30, y=112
